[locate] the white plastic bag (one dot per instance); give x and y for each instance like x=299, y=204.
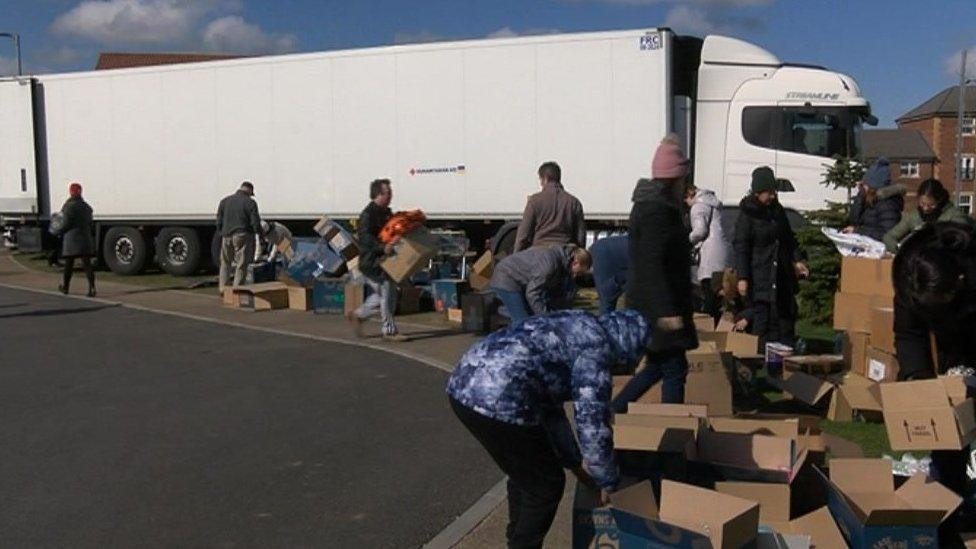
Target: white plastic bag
x=855, y=245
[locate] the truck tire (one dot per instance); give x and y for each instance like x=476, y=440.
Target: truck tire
x=178, y=250
x=125, y=250
x=503, y=243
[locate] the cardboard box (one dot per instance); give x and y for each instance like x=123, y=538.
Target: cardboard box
x=455, y=315
x=411, y=254
x=854, y=393
x=447, y=293
x=343, y=243
x=299, y=298
x=856, y=351
x=881, y=366
x=774, y=513
x=593, y=524
x=708, y=382
x=803, y=387
x=920, y=415
x=354, y=295
x=883, y=329
x=652, y=433
x=739, y=344
x=852, y=312
x=704, y=322
x=329, y=296
x=786, y=428
x=861, y=275
x=748, y=457
x=672, y=410
x=815, y=364
x=871, y=513
x=480, y=274
x=266, y=296
x=408, y=300
x=810, y=437
x=353, y=265
x=326, y=228
x=687, y=517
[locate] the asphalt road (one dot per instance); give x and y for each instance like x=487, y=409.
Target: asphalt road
x=125, y=428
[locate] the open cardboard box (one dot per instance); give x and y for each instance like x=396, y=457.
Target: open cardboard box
x=480, y=275
x=814, y=364
x=410, y=254
x=930, y=414
x=265, y=296
x=855, y=393
x=774, y=512
x=707, y=384
x=742, y=456
x=809, y=435
x=671, y=428
x=803, y=387
x=688, y=517
x=739, y=344
x=862, y=498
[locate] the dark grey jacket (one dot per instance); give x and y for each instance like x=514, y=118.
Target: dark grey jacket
x=875, y=220
x=552, y=216
x=77, y=229
x=238, y=213
x=542, y=273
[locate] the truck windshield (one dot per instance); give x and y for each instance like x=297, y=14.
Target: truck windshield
x=817, y=131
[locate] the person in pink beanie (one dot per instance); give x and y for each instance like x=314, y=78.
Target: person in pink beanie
x=658, y=284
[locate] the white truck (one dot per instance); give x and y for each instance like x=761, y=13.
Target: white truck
x=460, y=128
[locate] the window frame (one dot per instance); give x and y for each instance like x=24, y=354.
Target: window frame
x=964, y=174
x=968, y=208
x=910, y=164
x=968, y=126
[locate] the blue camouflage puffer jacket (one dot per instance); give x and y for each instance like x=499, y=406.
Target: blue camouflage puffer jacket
x=520, y=374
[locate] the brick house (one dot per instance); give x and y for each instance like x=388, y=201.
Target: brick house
x=912, y=159
x=936, y=120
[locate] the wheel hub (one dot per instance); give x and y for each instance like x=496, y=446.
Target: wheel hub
x=176, y=249
x=124, y=249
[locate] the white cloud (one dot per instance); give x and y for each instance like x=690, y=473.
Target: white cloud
x=232, y=34
x=60, y=56
x=698, y=20
x=509, y=32
x=953, y=62
x=8, y=66
x=135, y=21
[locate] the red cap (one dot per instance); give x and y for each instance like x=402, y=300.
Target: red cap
x=74, y=189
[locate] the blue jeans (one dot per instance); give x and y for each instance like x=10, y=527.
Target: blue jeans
x=609, y=292
x=671, y=366
x=515, y=303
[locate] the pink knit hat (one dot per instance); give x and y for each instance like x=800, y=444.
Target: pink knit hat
x=669, y=162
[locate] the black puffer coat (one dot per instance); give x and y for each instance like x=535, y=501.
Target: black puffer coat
x=765, y=254
x=77, y=230
x=874, y=220
x=658, y=284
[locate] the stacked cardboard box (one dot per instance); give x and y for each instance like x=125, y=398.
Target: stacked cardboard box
x=863, y=308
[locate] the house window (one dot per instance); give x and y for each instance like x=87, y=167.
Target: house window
x=966, y=203
x=969, y=126
x=967, y=168
x=909, y=169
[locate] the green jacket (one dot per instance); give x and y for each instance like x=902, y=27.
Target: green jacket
x=912, y=220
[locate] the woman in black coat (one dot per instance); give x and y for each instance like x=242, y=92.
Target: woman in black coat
x=658, y=284
x=768, y=262
x=934, y=275
x=78, y=242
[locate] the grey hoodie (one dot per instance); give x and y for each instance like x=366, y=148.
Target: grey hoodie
x=539, y=272
x=707, y=235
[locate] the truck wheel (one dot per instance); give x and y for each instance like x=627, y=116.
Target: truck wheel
x=503, y=243
x=125, y=250
x=178, y=251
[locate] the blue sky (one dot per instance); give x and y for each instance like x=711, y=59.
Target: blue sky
x=900, y=51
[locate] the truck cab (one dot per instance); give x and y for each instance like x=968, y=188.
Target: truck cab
x=754, y=110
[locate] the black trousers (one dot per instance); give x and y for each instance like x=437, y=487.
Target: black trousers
x=770, y=325
x=711, y=304
x=535, y=476
x=69, y=267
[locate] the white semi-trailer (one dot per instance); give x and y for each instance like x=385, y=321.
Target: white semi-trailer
x=460, y=128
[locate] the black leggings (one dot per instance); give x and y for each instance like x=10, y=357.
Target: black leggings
x=69, y=267
x=535, y=476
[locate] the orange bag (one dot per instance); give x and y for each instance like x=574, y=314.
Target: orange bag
x=400, y=224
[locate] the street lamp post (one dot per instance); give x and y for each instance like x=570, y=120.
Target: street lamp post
x=16, y=38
